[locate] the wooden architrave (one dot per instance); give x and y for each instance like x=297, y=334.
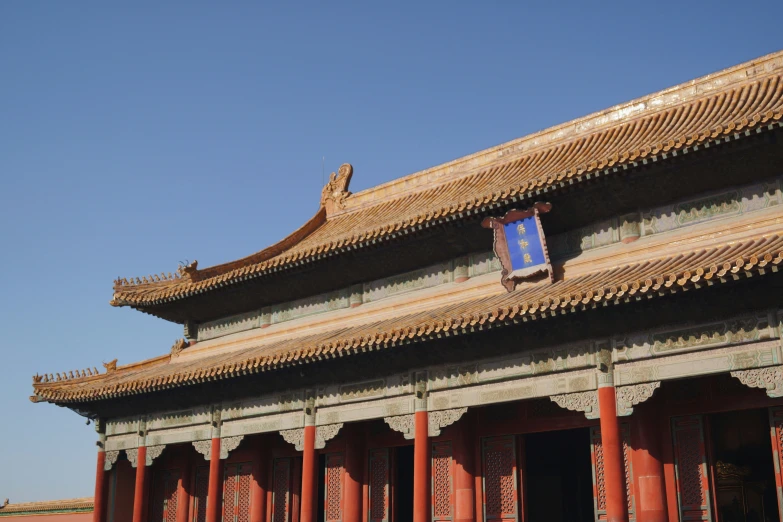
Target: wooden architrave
x=500, y=245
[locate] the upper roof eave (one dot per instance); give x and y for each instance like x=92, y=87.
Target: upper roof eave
x=728, y=103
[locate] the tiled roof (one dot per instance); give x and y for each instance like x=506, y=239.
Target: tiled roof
x=46, y=507
x=717, y=107
x=701, y=266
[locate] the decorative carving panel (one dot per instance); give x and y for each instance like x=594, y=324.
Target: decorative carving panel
x=440, y=419
x=111, y=459
x=204, y=447
x=333, y=483
x=629, y=396
x=586, y=402
x=706, y=362
x=133, y=456
x=690, y=464
x=379, y=485
x=326, y=433
x=229, y=444
x=672, y=340
x=153, y=452
x=769, y=379
x=442, y=481
x=405, y=424
x=295, y=437
x=500, y=479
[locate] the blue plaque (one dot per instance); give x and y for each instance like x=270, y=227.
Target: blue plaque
x=520, y=244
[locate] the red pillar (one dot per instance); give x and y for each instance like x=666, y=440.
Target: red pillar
x=141, y=484
x=648, y=466
x=183, y=504
x=309, y=474
x=614, y=469
x=421, y=468
x=258, y=487
x=99, y=511
x=214, y=496
x=354, y=467
x=464, y=472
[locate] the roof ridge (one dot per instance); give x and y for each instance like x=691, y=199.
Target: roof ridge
x=43, y=506
x=708, y=111
x=653, y=102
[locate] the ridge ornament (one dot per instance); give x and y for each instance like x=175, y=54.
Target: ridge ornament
x=520, y=244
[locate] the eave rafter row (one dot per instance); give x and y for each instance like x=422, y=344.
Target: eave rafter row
x=698, y=269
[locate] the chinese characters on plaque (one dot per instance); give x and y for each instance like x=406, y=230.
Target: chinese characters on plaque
x=520, y=244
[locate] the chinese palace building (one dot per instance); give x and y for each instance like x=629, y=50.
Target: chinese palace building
x=581, y=324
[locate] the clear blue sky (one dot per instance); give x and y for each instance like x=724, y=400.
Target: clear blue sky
x=133, y=137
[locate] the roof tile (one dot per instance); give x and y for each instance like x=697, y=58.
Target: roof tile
x=710, y=108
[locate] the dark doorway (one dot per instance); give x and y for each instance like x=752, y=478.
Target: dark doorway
x=743, y=467
x=402, y=511
x=559, y=477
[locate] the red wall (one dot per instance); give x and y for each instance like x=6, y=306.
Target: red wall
x=123, y=491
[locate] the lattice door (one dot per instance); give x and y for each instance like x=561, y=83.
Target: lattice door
x=442, y=481
x=599, y=484
x=379, y=485
x=776, y=431
x=236, y=492
x=500, y=479
x=198, y=507
x=165, y=493
x=690, y=465
x=281, y=490
x=334, y=481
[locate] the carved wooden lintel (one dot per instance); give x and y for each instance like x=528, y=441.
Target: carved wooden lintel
x=629, y=396
x=769, y=379
x=436, y=420
x=442, y=418
x=402, y=423
x=152, y=453
x=133, y=456
x=111, y=458
x=325, y=433
x=586, y=402
x=295, y=437
x=204, y=447
x=229, y=444
x=322, y=434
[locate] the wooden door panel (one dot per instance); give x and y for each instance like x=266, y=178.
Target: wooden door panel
x=500, y=496
x=379, y=485
x=690, y=466
x=442, y=482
